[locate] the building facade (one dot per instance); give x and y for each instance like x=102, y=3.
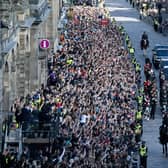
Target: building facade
x=23, y=65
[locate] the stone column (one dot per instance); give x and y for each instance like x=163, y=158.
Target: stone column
x=27, y=62
x=12, y=77
x=34, y=53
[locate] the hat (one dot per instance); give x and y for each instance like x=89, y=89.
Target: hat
x=143, y=142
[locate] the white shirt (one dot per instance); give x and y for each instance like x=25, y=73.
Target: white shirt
x=83, y=118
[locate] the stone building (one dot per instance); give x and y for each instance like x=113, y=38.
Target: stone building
x=23, y=65
x=9, y=49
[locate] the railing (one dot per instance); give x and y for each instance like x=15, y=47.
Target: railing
x=12, y=137
x=37, y=132
x=37, y=136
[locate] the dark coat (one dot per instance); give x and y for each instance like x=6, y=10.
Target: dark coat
x=163, y=134
x=144, y=44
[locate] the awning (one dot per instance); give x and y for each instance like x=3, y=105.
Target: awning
x=27, y=23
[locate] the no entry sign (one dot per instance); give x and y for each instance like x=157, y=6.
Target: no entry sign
x=104, y=22
x=44, y=43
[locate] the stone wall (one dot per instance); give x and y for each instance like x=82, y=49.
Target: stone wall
x=22, y=71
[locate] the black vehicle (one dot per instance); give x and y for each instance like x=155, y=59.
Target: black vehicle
x=157, y=46
x=163, y=97
x=160, y=53
x=163, y=76
x=163, y=69
x=163, y=64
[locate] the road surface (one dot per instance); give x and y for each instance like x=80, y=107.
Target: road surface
x=123, y=12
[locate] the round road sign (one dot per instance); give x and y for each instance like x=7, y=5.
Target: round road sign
x=44, y=44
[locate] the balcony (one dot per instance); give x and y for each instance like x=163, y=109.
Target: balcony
x=39, y=132
x=27, y=22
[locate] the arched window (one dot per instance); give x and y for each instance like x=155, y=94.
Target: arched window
x=13, y=55
x=13, y=63
x=6, y=67
x=27, y=40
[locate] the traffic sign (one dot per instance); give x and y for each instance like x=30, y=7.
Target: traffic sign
x=44, y=43
x=104, y=22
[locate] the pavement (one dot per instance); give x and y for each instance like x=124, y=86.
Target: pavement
x=129, y=18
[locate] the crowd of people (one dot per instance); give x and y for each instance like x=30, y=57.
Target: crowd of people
x=150, y=90
x=90, y=97
x=154, y=12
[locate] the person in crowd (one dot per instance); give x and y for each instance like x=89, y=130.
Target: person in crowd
x=155, y=24
x=144, y=36
x=163, y=132
x=90, y=102
x=143, y=152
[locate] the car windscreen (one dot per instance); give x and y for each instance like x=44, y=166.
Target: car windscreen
x=165, y=72
x=163, y=64
x=159, y=46
x=162, y=52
